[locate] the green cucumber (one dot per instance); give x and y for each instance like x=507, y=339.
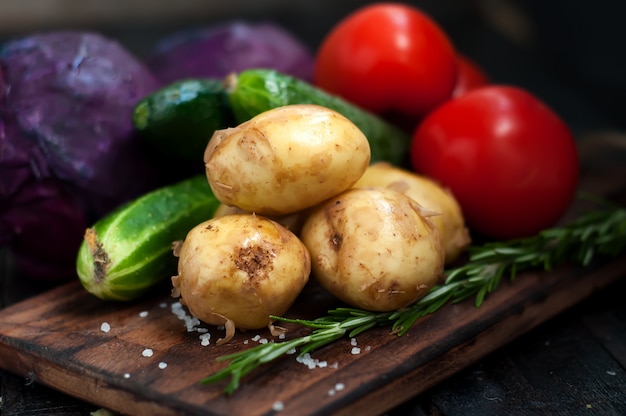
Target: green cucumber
x=254, y=91
x=180, y=118
x=127, y=252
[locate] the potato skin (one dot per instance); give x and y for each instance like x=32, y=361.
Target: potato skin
x=373, y=249
x=428, y=193
x=241, y=268
x=286, y=159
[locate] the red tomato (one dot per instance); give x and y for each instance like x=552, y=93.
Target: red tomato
x=470, y=76
x=509, y=159
x=388, y=57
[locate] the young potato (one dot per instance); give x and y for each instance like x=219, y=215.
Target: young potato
x=237, y=270
x=286, y=159
x=373, y=248
x=447, y=215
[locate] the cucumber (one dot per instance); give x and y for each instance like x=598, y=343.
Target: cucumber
x=254, y=91
x=180, y=118
x=127, y=252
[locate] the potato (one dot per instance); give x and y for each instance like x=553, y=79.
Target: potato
x=237, y=270
x=447, y=215
x=373, y=249
x=286, y=159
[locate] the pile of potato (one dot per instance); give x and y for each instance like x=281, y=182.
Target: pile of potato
x=300, y=198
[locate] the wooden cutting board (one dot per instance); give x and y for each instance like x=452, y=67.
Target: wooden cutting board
x=149, y=364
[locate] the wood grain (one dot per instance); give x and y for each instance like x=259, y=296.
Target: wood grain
x=55, y=339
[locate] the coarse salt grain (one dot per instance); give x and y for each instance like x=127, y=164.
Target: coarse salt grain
x=143, y=314
x=205, y=339
x=126, y=375
x=162, y=365
x=163, y=305
x=191, y=323
x=355, y=351
x=338, y=387
x=353, y=342
x=278, y=406
x=256, y=338
x=311, y=362
x=105, y=327
x=147, y=352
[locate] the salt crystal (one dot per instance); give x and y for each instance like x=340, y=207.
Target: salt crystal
x=611, y=373
x=339, y=386
x=353, y=342
x=205, y=339
x=105, y=327
x=256, y=338
x=245, y=341
x=282, y=336
x=163, y=305
x=263, y=341
x=191, y=323
x=331, y=392
x=126, y=375
x=143, y=314
x=278, y=406
x=147, y=352
x=355, y=351
x=309, y=361
x=291, y=351
x=369, y=347
x=162, y=365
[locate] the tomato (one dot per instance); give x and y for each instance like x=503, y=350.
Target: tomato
x=509, y=159
x=470, y=76
x=388, y=58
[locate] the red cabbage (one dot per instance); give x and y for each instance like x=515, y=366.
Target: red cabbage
x=68, y=151
x=73, y=93
x=215, y=51
x=44, y=225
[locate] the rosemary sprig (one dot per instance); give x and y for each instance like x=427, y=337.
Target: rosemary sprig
x=601, y=232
